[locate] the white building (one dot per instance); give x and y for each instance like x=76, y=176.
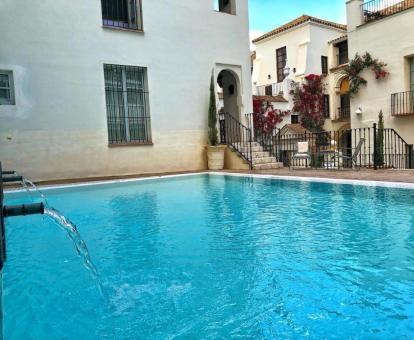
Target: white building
x=99, y=88
x=300, y=45
x=384, y=29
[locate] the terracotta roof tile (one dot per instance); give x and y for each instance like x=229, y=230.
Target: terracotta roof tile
x=339, y=39
x=295, y=128
x=274, y=99
x=298, y=21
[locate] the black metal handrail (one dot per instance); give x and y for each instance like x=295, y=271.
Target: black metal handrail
x=237, y=136
x=402, y=103
x=263, y=134
x=378, y=9
x=361, y=147
x=344, y=113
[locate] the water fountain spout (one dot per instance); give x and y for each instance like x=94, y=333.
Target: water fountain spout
x=23, y=209
x=41, y=208
x=11, y=179
x=14, y=210
x=8, y=172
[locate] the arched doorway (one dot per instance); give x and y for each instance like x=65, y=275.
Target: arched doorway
x=228, y=87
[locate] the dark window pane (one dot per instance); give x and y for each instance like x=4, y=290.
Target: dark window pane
x=324, y=61
x=280, y=63
x=5, y=95
x=4, y=81
x=268, y=90
x=326, y=110
x=342, y=52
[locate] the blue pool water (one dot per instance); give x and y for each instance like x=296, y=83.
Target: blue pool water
x=216, y=257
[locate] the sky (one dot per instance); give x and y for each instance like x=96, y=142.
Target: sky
x=266, y=15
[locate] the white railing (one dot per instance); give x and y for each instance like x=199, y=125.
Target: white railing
x=277, y=89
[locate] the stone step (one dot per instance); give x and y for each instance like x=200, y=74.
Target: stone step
x=264, y=160
x=268, y=166
x=253, y=149
x=247, y=144
x=260, y=154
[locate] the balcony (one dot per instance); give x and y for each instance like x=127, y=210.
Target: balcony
x=377, y=9
x=402, y=103
x=274, y=89
x=344, y=113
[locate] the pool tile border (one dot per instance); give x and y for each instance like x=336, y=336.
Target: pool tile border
x=397, y=185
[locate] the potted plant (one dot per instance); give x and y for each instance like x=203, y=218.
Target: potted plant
x=215, y=152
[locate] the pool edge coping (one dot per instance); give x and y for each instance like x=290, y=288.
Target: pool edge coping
x=360, y=182
x=385, y=184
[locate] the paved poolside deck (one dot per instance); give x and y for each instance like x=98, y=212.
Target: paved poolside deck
x=405, y=176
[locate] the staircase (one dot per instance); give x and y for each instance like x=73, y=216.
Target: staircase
x=260, y=159
x=240, y=139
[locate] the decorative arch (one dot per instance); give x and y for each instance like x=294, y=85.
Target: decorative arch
x=228, y=80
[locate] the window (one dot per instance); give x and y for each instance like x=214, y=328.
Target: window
x=326, y=110
x=225, y=6
x=268, y=90
x=6, y=88
x=127, y=105
x=280, y=63
x=324, y=61
x=125, y=14
x=342, y=53
x=294, y=119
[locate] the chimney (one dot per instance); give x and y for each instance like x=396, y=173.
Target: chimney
x=354, y=14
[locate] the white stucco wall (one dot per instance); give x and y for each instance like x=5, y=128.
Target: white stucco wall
x=266, y=53
x=391, y=40
x=58, y=128
x=305, y=45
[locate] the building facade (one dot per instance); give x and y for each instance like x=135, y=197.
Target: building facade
x=291, y=52
x=337, y=85
x=107, y=88
x=385, y=30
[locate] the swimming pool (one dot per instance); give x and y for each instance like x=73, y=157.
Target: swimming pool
x=213, y=256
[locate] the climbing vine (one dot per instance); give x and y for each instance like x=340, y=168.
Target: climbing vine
x=265, y=116
x=308, y=102
x=357, y=65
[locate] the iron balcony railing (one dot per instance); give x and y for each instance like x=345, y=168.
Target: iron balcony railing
x=378, y=9
x=402, y=103
x=344, y=113
x=270, y=89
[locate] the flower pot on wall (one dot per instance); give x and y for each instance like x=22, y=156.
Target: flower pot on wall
x=215, y=157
